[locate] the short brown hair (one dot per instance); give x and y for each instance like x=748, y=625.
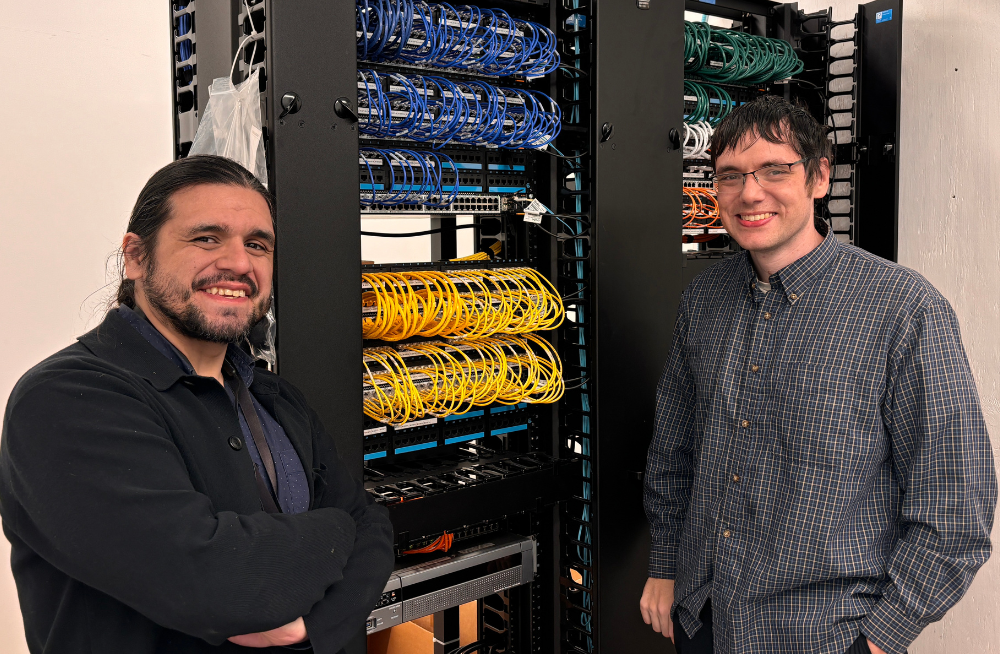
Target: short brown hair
x=778, y=121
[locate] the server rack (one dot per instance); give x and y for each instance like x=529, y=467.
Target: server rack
x=579, y=494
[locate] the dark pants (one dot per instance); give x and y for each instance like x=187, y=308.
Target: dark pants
x=702, y=641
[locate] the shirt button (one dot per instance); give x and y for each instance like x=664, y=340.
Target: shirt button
x=736, y=478
x=793, y=297
x=727, y=534
x=767, y=315
x=745, y=424
x=754, y=368
x=235, y=443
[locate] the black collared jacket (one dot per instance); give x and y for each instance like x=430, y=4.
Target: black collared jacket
x=135, y=521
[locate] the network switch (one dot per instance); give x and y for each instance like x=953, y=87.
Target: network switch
x=417, y=590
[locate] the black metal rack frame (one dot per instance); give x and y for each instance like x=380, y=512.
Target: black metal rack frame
x=616, y=265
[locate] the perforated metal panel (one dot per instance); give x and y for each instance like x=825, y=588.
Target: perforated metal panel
x=458, y=595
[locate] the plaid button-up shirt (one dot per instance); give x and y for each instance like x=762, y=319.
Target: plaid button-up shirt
x=820, y=466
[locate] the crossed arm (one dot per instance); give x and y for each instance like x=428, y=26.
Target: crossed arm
x=105, y=447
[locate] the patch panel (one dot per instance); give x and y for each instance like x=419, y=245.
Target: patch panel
x=376, y=441
x=505, y=117
x=484, y=179
x=432, y=438
x=473, y=172
x=490, y=42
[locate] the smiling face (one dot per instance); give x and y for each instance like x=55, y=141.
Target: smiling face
x=209, y=274
x=779, y=218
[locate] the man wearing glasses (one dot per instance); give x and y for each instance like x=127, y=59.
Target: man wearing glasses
x=820, y=479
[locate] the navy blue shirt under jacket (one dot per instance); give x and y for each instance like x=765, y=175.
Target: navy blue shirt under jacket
x=293, y=488
x=135, y=518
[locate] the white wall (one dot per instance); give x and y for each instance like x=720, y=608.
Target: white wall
x=86, y=116
x=88, y=121
x=949, y=228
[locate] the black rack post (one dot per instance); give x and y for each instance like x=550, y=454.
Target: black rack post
x=311, y=51
x=637, y=195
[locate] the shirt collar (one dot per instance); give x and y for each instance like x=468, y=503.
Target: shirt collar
x=795, y=279
x=240, y=360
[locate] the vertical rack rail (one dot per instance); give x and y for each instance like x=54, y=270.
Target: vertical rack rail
x=185, y=75
x=574, y=270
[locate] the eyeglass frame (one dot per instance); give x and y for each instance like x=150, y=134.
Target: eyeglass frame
x=715, y=178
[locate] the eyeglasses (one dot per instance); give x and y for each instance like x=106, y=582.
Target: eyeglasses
x=767, y=177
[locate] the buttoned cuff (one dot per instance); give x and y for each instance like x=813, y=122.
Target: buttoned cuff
x=662, y=561
x=889, y=628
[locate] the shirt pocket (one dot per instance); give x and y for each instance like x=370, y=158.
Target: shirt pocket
x=815, y=415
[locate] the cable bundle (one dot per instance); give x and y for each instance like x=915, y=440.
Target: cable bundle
x=461, y=375
x=701, y=209
x=420, y=174
x=483, y=256
x=466, y=304
x=484, y=41
x=427, y=108
x=697, y=139
x=703, y=95
x=739, y=58
x=442, y=544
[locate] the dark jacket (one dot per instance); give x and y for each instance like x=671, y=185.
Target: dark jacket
x=137, y=527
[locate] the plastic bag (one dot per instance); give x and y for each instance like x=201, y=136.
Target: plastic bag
x=231, y=124
x=261, y=340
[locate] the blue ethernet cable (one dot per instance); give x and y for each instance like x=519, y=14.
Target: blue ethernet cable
x=416, y=178
x=484, y=41
x=430, y=108
x=184, y=48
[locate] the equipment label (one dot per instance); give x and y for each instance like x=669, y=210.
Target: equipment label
x=533, y=212
x=417, y=423
x=883, y=16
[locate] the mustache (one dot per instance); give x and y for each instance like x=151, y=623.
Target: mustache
x=223, y=277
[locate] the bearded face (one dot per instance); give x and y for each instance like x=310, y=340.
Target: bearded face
x=208, y=275
x=229, y=322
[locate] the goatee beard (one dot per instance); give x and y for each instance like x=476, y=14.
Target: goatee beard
x=174, y=304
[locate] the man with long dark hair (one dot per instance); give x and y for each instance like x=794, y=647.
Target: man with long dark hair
x=820, y=479
x=160, y=492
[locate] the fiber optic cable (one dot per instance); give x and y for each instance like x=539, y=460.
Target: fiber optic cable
x=466, y=304
x=457, y=376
